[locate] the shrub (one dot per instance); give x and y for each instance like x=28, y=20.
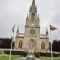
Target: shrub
x=16, y=53
x=37, y=55
x=48, y=54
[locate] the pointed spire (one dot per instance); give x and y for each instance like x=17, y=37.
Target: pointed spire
x=33, y=3
x=38, y=16
x=27, y=16
x=17, y=32
x=33, y=6
x=46, y=33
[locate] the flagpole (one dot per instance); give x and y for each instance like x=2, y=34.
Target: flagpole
x=11, y=42
x=52, y=28
x=51, y=47
x=10, y=51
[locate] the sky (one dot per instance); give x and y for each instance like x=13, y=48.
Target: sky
x=15, y=12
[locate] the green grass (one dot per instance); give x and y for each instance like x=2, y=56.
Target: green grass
x=15, y=56
x=49, y=58
x=12, y=57
x=19, y=56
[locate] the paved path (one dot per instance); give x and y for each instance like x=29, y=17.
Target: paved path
x=21, y=58
x=26, y=59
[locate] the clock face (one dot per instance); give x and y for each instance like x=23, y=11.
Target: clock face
x=32, y=31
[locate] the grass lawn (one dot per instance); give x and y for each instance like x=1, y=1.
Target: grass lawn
x=18, y=56
x=49, y=58
x=12, y=57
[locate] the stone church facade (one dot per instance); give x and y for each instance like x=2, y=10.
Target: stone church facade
x=32, y=34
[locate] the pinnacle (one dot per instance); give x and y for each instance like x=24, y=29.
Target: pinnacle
x=18, y=29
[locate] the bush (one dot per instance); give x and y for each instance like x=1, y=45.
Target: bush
x=16, y=53
x=37, y=55
x=48, y=54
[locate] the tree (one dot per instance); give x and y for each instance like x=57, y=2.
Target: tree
x=56, y=45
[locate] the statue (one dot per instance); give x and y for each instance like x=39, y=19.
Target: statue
x=31, y=48
x=31, y=54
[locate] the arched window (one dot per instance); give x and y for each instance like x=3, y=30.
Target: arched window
x=42, y=45
x=20, y=44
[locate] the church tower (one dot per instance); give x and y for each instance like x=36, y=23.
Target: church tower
x=31, y=35
x=32, y=28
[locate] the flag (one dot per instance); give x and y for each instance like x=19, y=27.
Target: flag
x=52, y=28
x=13, y=28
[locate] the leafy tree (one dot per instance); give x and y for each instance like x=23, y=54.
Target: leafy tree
x=56, y=45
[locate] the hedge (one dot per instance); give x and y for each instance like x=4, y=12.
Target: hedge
x=37, y=54
x=16, y=53
x=48, y=54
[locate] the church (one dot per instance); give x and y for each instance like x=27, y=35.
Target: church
x=32, y=34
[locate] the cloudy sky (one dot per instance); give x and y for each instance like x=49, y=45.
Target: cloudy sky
x=15, y=12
